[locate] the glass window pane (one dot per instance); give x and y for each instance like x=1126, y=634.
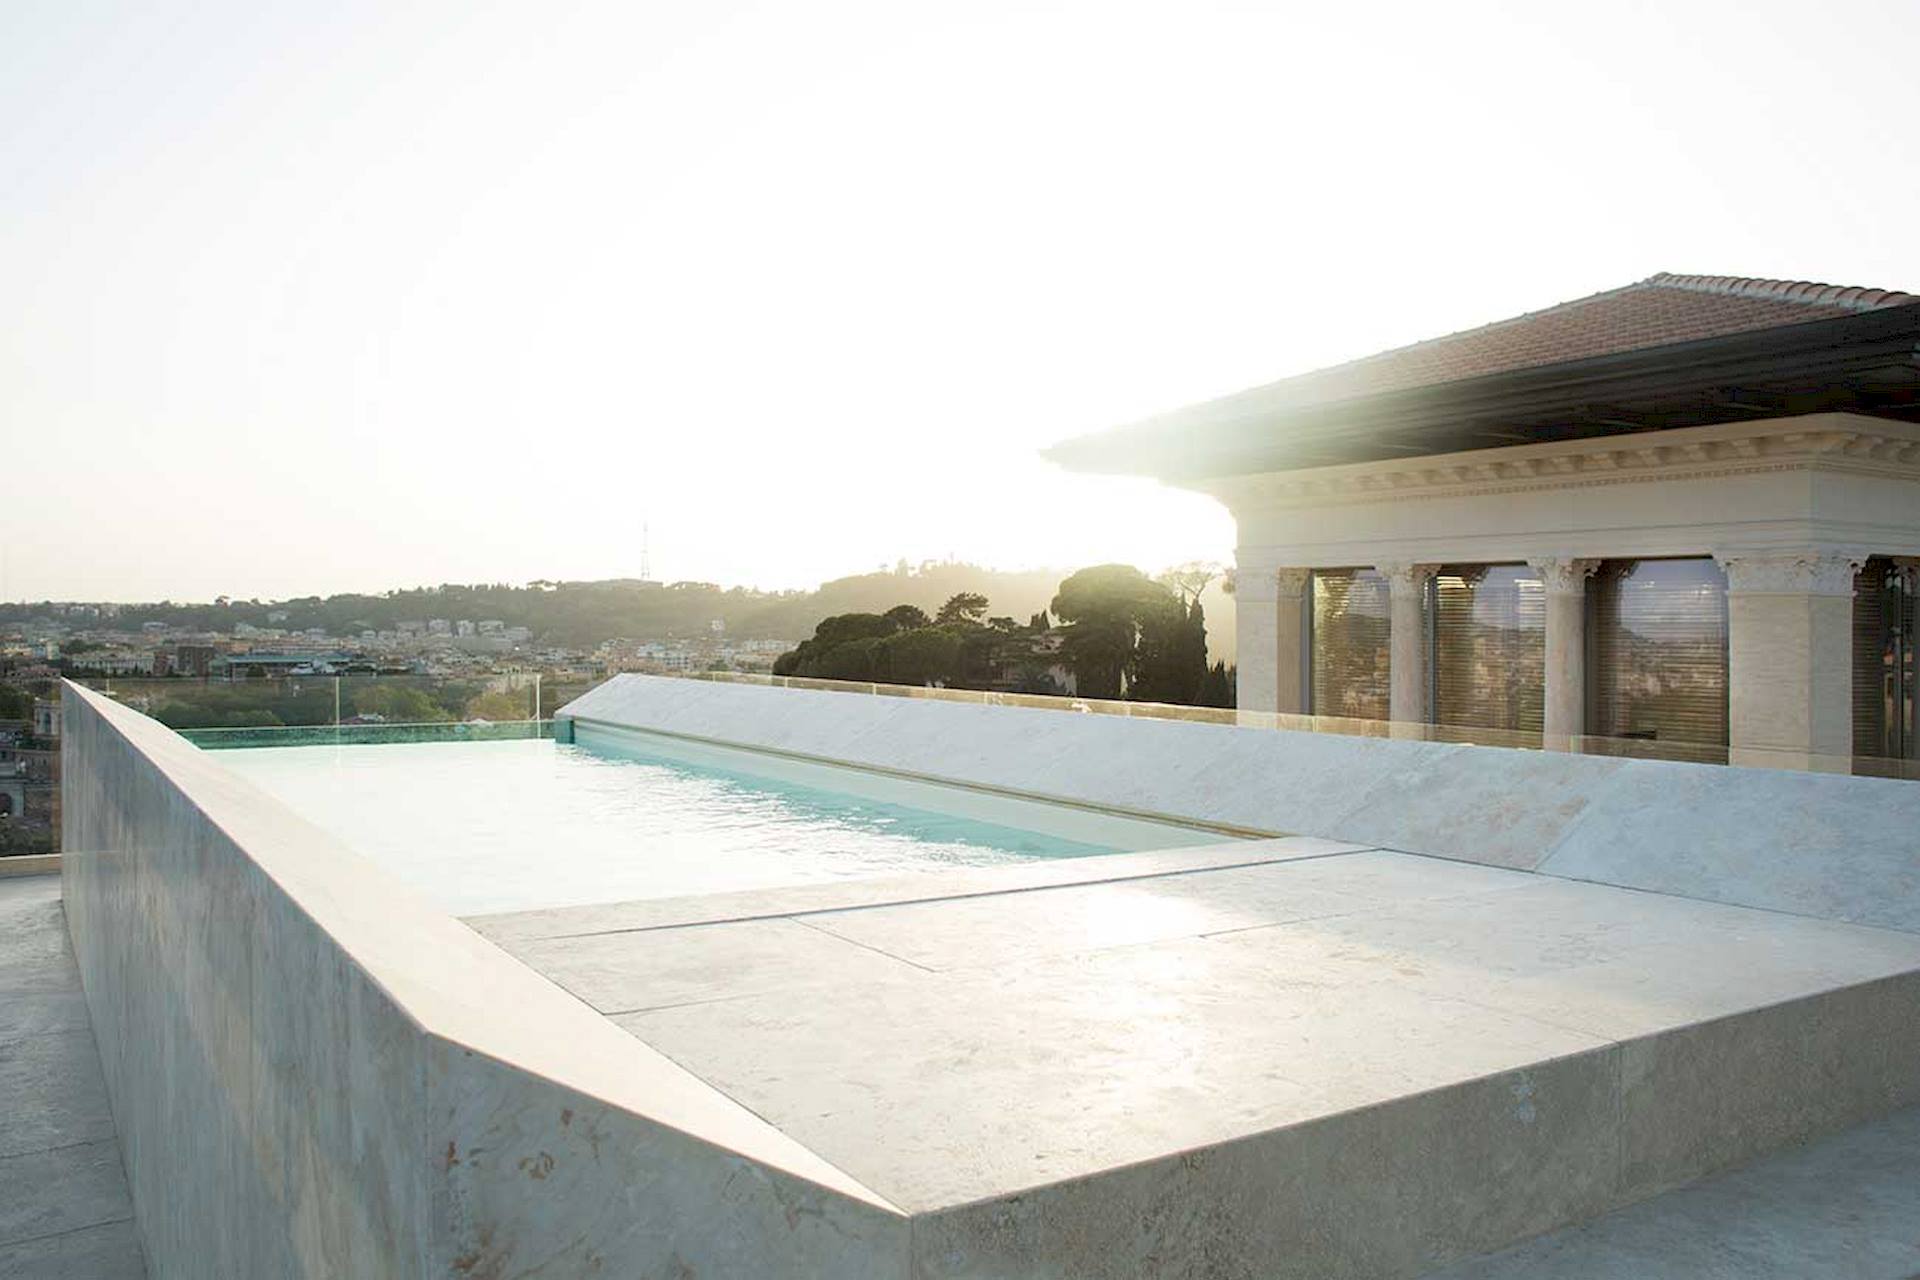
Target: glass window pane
x=1350, y=644
x=1490, y=647
x=1657, y=651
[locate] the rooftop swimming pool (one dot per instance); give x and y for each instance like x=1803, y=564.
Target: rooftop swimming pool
x=482, y=826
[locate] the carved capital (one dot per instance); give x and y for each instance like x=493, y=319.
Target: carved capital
x=1403, y=577
x=1270, y=585
x=1800, y=573
x=1564, y=575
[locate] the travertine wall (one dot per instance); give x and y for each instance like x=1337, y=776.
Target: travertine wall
x=314, y=1074
x=1839, y=847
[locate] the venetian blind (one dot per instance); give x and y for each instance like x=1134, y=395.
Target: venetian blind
x=1490, y=647
x=1657, y=651
x=1883, y=661
x=1874, y=685
x=1350, y=644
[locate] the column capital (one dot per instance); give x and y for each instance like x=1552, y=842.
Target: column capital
x=1270, y=584
x=1564, y=575
x=1403, y=575
x=1809, y=572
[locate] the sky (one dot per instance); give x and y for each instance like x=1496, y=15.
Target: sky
x=301, y=298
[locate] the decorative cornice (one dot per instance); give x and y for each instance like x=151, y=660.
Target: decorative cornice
x=1869, y=445
x=1813, y=572
x=1564, y=575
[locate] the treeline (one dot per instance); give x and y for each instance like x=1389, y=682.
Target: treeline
x=1119, y=633
x=583, y=614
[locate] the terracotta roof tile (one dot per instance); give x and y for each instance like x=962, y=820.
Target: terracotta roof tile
x=1655, y=312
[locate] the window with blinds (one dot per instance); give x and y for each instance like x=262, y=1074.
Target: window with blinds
x=1350, y=644
x=1657, y=651
x=1489, y=647
x=1883, y=661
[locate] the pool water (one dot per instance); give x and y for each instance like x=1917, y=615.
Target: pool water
x=482, y=827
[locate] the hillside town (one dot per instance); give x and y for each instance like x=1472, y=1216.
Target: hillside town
x=452, y=668
x=91, y=640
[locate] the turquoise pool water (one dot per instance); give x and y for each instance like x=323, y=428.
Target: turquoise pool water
x=499, y=826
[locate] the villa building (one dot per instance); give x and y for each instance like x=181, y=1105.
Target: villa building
x=1684, y=512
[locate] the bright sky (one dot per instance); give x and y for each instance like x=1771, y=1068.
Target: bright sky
x=317, y=297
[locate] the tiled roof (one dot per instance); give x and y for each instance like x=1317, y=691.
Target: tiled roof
x=1655, y=312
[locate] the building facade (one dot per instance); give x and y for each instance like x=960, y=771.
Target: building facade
x=1680, y=518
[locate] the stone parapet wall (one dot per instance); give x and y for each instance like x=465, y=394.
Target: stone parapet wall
x=316, y=1074
x=1825, y=845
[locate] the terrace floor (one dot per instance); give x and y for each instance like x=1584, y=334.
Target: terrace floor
x=1312, y=1023
x=1846, y=1208
x=64, y=1209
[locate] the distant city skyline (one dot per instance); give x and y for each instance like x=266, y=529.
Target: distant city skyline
x=318, y=299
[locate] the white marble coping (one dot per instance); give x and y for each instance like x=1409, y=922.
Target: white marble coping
x=451, y=982
x=927, y=886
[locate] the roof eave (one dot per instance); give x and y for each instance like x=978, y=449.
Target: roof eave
x=1211, y=439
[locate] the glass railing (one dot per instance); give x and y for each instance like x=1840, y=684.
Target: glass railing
x=283, y=711
x=305, y=701
x=350, y=710
x=1625, y=748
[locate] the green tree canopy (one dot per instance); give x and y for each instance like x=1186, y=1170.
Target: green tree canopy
x=965, y=606
x=398, y=703
x=1127, y=635
x=906, y=617
x=925, y=655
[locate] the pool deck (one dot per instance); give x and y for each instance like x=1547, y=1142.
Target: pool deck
x=1338, y=1060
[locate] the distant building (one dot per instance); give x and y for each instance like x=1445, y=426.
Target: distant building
x=194, y=659
x=1686, y=511
x=46, y=718
x=13, y=789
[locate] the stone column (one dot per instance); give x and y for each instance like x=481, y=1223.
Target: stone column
x=1565, y=580
x=1407, y=661
x=1269, y=609
x=1790, y=658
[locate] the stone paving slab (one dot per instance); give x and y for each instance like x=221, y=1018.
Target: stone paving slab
x=110, y=1251
x=1846, y=1208
x=56, y=1095
x=62, y=1190
x=1467, y=1053
x=1009, y=928
x=65, y=1212
x=508, y=928
x=660, y=968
